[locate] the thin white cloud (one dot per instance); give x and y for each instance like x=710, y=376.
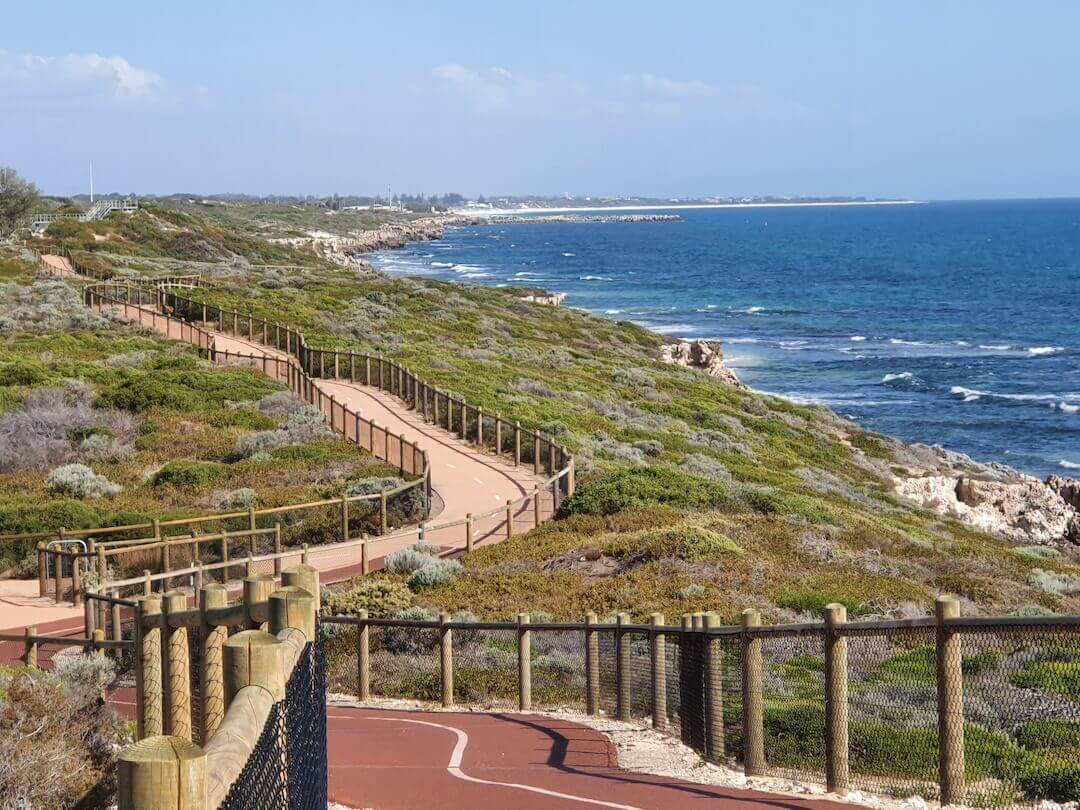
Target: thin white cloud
x=114, y=75
x=496, y=90
x=673, y=88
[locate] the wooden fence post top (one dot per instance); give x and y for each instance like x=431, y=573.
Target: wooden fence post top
x=213, y=595
x=835, y=613
x=254, y=658
x=162, y=771
x=292, y=607
x=946, y=607
x=751, y=618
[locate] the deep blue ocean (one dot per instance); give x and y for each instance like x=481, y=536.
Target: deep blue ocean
x=955, y=323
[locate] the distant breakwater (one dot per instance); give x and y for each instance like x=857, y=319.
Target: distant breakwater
x=557, y=218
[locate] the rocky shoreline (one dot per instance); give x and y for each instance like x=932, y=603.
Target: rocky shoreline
x=991, y=497
x=587, y=218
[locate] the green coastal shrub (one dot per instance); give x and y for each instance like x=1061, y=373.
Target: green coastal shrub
x=1038, y=735
x=187, y=474
x=248, y=418
x=378, y=596
x=693, y=543
x=184, y=389
x=1052, y=677
x=643, y=486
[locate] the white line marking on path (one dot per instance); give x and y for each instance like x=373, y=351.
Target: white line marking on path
x=454, y=766
x=477, y=480
x=451, y=466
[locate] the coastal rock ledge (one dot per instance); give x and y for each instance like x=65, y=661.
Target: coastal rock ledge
x=703, y=355
x=1009, y=504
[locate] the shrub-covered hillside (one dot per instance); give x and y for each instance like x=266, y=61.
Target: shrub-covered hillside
x=103, y=423
x=693, y=493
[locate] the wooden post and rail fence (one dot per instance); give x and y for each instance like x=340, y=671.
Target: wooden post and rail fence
x=299, y=368
x=247, y=657
x=685, y=693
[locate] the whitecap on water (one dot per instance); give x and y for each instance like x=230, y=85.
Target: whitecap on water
x=1042, y=351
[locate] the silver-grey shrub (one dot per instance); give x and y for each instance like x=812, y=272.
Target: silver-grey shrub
x=434, y=573
x=89, y=672
x=46, y=305
x=79, y=481
x=304, y=425
x=281, y=404
x=35, y=437
x=408, y=560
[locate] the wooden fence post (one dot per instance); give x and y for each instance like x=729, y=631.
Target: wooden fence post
x=836, y=701
x=177, y=668
x=536, y=506
x=480, y=427
x=149, y=617
x=363, y=660
x=161, y=772
x=43, y=569
x=468, y=532
x=30, y=647
x=950, y=686
x=446, y=660
x=517, y=443
x=509, y=521
x=257, y=590
x=344, y=516
x=753, y=711
x=382, y=512
x=212, y=686
x=295, y=607
x=277, y=549
x=592, y=664
x=524, y=663
x=659, y=672
x=622, y=668
x=714, y=691
x=536, y=454
x=365, y=562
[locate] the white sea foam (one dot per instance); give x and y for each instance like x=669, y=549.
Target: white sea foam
x=568, y=254
x=901, y=342
x=593, y=278
x=442, y=264
x=1067, y=407
x=744, y=340
x=903, y=375
x=674, y=328
x=969, y=394
x=1041, y=351
x=995, y=347
x=612, y=311
x=467, y=268
x=858, y=338
x=1069, y=465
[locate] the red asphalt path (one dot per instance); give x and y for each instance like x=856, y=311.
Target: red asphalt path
x=461, y=761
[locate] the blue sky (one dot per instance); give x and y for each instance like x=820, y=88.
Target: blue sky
x=916, y=99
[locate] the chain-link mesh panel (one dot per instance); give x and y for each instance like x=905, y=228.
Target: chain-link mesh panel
x=1021, y=715
x=793, y=701
x=892, y=711
x=405, y=663
x=288, y=768
x=557, y=664
x=486, y=668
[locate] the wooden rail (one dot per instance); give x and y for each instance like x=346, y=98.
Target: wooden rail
x=186, y=318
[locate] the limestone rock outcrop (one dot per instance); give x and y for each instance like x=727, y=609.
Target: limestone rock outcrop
x=1015, y=506
x=703, y=355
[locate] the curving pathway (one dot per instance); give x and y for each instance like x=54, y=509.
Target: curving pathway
x=464, y=481
x=396, y=760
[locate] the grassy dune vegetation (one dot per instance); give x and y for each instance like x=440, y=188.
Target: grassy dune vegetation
x=693, y=494
x=103, y=423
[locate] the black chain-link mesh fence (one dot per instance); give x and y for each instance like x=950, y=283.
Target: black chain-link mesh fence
x=288, y=768
x=1020, y=688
